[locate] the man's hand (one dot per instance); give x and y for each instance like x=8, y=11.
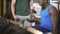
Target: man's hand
x=32, y=16
x=15, y=17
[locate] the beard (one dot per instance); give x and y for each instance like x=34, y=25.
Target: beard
x=43, y=5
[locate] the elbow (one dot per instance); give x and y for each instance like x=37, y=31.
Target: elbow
x=12, y=5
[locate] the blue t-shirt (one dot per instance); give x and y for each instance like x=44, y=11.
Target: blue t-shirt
x=46, y=20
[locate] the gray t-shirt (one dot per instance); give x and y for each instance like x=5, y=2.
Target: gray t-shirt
x=22, y=7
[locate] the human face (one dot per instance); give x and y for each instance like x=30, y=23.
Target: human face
x=42, y=2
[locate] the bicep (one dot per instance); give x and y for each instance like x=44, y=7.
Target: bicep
x=54, y=16
x=53, y=12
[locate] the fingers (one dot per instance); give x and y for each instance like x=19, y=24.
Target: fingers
x=15, y=17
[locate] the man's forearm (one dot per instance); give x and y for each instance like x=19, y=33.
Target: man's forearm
x=54, y=21
x=12, y=10
x=13, y=7
x=37, y=19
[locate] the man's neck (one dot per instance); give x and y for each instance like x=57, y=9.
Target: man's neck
x=44, y=7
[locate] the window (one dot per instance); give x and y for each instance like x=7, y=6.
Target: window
x=54, y=3
x=53, y=0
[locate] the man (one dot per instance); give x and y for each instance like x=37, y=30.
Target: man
x=49, y=17
x=22, y=10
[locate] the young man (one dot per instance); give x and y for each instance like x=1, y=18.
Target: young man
x=22, y=10
x=49, y=17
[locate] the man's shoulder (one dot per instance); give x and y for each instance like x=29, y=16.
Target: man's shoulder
x=53, y=10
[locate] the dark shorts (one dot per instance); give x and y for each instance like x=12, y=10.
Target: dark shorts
x=40, y=28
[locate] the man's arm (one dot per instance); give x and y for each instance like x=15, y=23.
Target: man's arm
x=31, y=5
x=54, y=14
x=13, y=7
x=32, y=16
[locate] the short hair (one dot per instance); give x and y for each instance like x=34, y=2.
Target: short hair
x=8, y=28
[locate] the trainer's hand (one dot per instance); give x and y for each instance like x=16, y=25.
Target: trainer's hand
x=15, y=17
x=32, y=16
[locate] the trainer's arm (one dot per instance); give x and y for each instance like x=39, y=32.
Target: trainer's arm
x=31, y=5
x=54, y=15
x=13, y=7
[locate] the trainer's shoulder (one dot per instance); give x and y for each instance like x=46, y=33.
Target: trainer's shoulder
x=53, y=10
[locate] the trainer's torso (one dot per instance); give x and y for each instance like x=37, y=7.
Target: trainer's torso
x=22, y=7
x=46, y=20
